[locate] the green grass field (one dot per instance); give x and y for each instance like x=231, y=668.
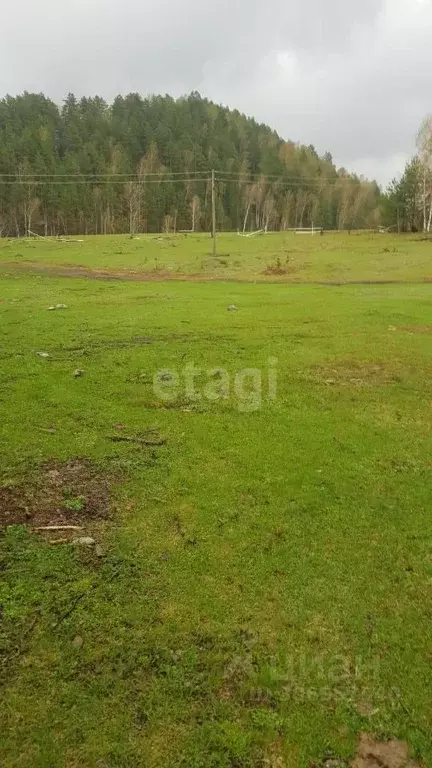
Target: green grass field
x=260, y=593
x=267, y=258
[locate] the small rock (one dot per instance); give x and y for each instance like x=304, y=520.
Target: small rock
x=99, y=551
x=84, y=541
x=78, y=373
x=232, y=308
x=61, y=306
x=392, y=328
x=77, y=642
x=42, y=354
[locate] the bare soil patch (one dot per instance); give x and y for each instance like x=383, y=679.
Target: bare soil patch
x=374, y=754
x=416, y=328
x=356, y=373
x=63, y=493
x=382, y=754
x=157, y=275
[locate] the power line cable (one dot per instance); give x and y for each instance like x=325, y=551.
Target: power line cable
x=95, y=182
x=133, y=175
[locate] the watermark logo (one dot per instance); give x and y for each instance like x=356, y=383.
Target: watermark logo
x=248, y=388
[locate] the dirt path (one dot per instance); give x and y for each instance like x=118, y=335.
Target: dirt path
x=69, y=270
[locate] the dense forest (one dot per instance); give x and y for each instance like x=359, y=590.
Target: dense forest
x=144, y=165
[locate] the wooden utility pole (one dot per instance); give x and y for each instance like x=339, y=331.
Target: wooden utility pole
x=213, y=212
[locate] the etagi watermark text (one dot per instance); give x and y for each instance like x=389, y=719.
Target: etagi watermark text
x=248, y=388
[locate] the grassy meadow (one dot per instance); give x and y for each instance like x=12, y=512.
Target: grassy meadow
x=335, y=257
x=259, y=590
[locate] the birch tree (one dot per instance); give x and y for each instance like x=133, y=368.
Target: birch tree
x=424, y=146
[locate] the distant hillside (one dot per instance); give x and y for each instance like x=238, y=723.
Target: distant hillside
x=143, y=164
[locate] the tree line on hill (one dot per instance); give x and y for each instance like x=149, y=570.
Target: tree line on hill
x=143, y=165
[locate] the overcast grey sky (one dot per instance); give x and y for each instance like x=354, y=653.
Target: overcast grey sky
x=350, y=76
